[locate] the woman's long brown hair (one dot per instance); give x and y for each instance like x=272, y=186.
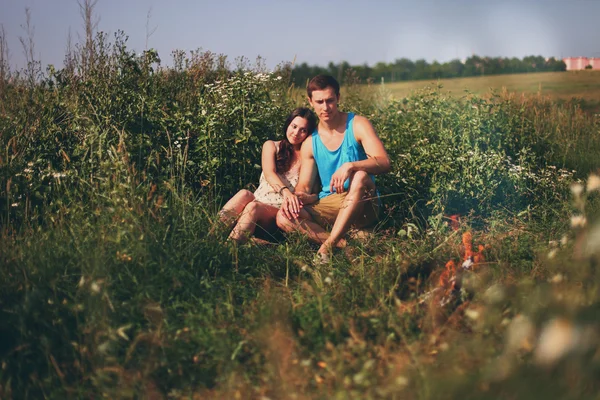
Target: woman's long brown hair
x=283, y=161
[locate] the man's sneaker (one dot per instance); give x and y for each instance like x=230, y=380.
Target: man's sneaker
x=360, y=235
x=321, y=259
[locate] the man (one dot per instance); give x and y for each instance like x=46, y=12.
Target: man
x=345, y=152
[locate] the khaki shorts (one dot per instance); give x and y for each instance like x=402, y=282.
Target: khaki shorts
x=326, y=210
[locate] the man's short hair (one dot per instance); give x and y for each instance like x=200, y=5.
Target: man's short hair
x=322, y=82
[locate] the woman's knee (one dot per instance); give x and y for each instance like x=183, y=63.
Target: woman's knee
x=252, y=208
x=283, y=222
x=245, y=195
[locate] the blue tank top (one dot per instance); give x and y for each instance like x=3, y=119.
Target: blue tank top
x=329, y=161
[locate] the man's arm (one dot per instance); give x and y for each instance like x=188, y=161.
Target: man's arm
x=308, y=174
x=377, y=161
x=308, y=168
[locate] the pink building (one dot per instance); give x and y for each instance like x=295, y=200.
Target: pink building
x=579, y=63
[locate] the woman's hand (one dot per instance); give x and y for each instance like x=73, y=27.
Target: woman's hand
x=291, y=204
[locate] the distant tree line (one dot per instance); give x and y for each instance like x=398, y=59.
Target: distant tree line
x=404, y=69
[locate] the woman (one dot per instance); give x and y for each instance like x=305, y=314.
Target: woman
x=280, y=171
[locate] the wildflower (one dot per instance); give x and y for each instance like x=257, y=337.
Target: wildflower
x=402, y=381
x=328, y=280
x=104, y=347
x=472, y=314
x=495, y=294
x=558, y=338
x=593, y=183
x=564, y=240
x=591, y=244
x=519, y=334
x=306, y=362
x=576, y=189
x=14, y=205
x=578, y=221
x=468, y=263
x=552, y=253
x=95, y=288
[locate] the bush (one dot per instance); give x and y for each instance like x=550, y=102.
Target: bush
x=458, y=157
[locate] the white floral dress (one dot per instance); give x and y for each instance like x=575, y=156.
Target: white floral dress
x=266, y=194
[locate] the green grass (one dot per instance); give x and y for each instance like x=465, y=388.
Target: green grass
x=559, y=86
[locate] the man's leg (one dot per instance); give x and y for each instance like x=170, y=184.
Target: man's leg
x=354, y=203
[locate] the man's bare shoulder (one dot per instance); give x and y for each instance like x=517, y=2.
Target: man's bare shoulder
x=307, y=149
x=361, y=121
x=362, y=126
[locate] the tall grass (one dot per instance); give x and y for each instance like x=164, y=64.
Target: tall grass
x=117, y=280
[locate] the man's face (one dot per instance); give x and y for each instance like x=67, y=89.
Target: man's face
x=324, y=102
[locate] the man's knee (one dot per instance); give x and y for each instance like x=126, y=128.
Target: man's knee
x=361, y=181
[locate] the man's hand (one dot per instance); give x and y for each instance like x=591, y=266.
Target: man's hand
x=307, y=198
x=340, y=176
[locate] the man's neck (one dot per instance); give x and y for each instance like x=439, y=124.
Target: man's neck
x=335, y=124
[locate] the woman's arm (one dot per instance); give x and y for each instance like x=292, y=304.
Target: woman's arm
x=269, y=155
x=269, y=168
x=306, y=180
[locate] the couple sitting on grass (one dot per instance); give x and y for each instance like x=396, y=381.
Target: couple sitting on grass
x=343, y=150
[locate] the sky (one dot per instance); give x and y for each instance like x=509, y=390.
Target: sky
x=317, y=32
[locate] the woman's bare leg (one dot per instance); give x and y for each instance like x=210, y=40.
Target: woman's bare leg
x=234, y=207
x=255, y=213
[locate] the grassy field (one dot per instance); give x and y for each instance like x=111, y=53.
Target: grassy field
x=117, y=281
x=584, y=86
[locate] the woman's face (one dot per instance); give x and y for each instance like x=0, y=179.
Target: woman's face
x=297, y=131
